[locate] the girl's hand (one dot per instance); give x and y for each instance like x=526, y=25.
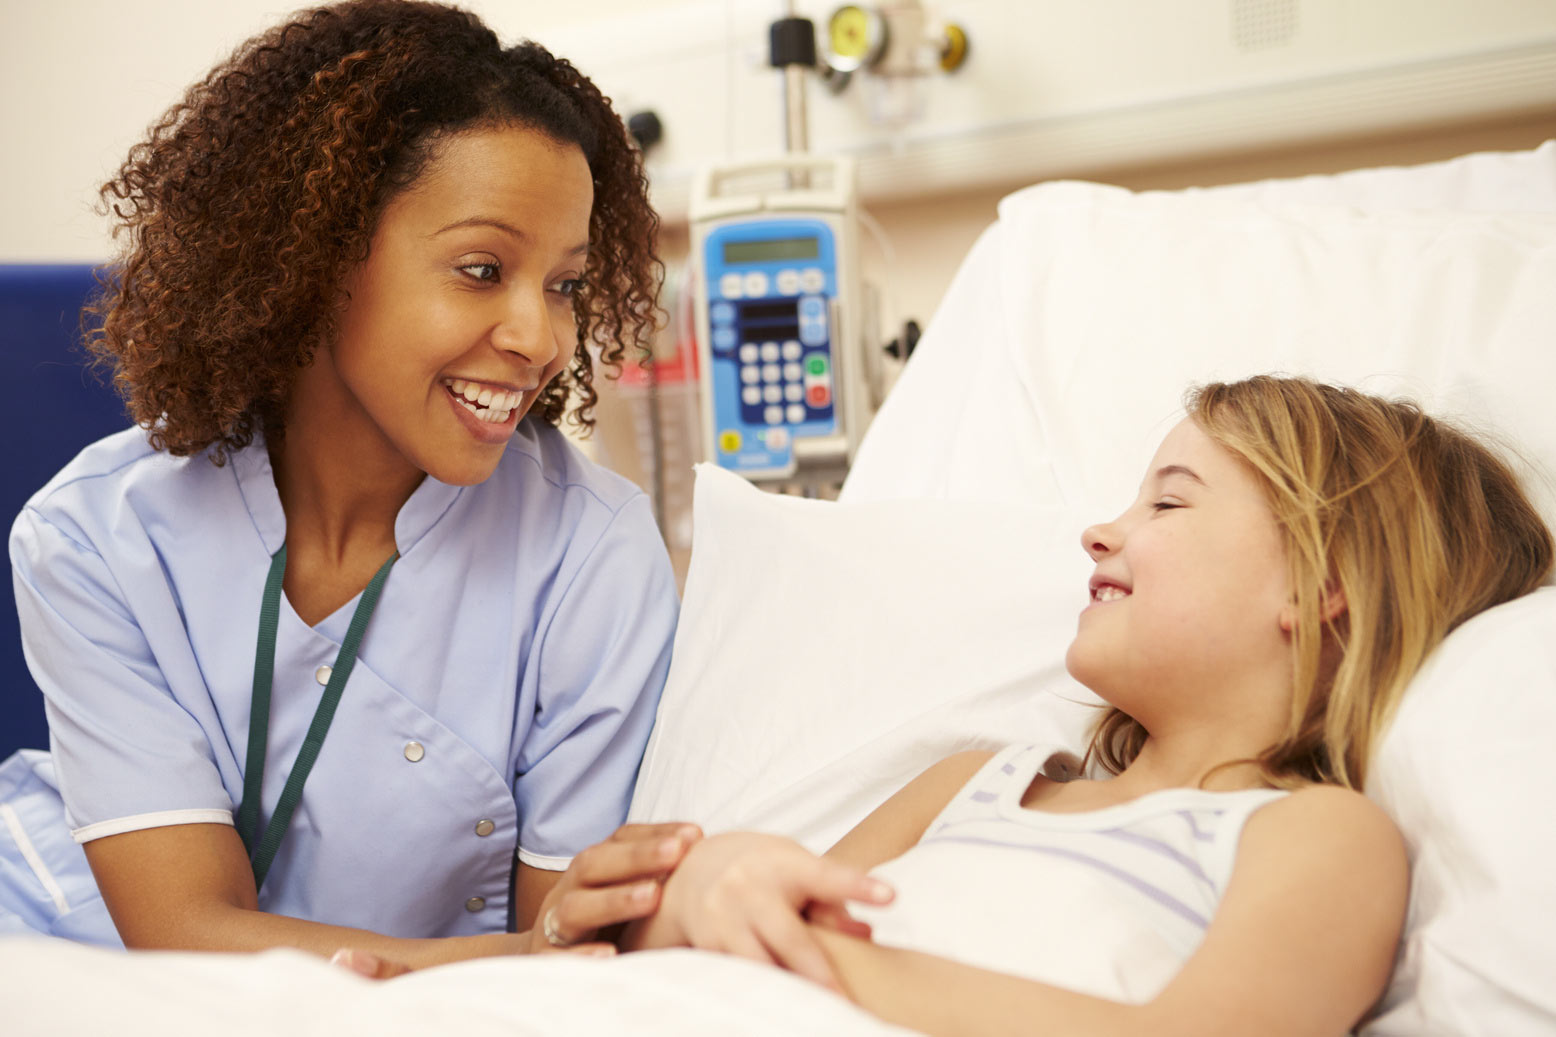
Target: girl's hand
x=611, y=882
x=747, y=894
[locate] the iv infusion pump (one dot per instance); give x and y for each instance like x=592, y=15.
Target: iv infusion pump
x=779, y=310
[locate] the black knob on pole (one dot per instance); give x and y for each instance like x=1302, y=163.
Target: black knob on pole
x=645, y=128
x=792, y=41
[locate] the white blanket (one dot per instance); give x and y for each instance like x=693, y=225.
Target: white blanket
x=50, y=986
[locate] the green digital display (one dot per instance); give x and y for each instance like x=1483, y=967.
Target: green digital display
x=771, y=249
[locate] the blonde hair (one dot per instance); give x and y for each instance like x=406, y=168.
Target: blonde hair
x=1419, y=527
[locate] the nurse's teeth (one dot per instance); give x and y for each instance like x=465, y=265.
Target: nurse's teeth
x=485, y=403
x=493, y=414
x=1109, y=592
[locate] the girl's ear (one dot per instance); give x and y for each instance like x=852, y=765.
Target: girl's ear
x=1334, y=603
x=1331, y=608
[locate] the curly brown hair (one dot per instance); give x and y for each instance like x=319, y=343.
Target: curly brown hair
x=252, y=197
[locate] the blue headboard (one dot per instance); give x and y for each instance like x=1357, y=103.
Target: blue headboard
x=53, y=406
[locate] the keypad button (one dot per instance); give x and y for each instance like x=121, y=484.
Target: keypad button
x=755, y=284
x=751, y=394
x=818, y=395
x=749, y=352
x=770, y=352
x=816, y=365
x=723, y=338
x=813, y=308
x=773, y=394
x=789, y=282
x=792, y=350
x=796, y=413
x=774, y=415
x=794, y=392
x=750, y=374
x=791, y=372
x=777, y=438
x=721, y=313
x=730, y=441
x=731, y=286
x=813, y=279
x=770, y=372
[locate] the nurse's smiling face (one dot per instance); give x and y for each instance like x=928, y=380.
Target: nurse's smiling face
x=463, y=310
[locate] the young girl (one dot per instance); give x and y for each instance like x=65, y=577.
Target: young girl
x=1295, y=552
x=366, y=258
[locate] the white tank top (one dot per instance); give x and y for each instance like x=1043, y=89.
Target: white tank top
x=1110, y=902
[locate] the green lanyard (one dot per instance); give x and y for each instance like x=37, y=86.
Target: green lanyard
x=259, y=714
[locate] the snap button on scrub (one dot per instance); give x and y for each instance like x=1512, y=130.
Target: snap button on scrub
x=475, y=904
x=322, y=674
x=414, y=751
x=484, y=826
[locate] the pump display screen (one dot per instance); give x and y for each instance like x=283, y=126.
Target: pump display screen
x=771, y=249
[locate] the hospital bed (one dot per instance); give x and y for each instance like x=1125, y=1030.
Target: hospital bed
x=828, y=651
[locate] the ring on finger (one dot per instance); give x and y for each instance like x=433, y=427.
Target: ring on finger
x=548, y=929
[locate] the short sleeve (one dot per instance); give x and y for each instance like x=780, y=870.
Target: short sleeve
x=128, y=755
x=605, y=654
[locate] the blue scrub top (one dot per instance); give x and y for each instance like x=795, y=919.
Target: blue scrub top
x=501, y=701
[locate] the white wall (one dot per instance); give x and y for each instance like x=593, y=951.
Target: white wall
x=81, y=80
x=1049, y=89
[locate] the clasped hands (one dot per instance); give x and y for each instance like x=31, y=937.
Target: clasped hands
x=742, y=893
x=757, y=896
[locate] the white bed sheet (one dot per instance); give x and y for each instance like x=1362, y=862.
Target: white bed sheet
x=50, y=986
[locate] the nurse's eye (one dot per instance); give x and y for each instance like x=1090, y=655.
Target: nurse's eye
x=1165, y=505
x=569, y=287
x=489, y=272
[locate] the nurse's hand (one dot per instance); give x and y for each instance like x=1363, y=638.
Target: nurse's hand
x=752, y=895
x=610, y=883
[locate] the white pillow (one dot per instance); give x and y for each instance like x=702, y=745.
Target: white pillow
x=1060, y=350
x=1490, y=181
x=828, y=653
x=1465, y=771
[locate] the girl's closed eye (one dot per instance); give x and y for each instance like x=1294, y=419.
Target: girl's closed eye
x=1165, y=505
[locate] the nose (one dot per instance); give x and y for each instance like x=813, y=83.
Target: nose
x=524, y=327
x=1100, y=540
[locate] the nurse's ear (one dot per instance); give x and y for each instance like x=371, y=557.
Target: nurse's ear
x=1332, y=607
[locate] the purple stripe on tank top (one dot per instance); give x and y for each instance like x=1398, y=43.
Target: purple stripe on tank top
x=1166, y=900
x=1007, y=768
x=1200, y=834
x=984, y=797
x=1158, y=847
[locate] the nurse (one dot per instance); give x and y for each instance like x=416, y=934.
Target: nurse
x=344, y=646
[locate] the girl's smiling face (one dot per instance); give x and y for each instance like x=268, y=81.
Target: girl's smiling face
x=463, y=310
x=1191, y=587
